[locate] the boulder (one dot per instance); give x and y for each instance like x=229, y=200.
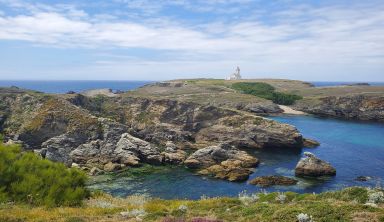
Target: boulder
x=213, y=155
x=363, y=178
x=266, y=181
x=173, y=155
x=132, y=146
x=112, y=167
x=95, y=171
x=230, y=170
x=309, y=143
x=313, y=167
x=223, y=162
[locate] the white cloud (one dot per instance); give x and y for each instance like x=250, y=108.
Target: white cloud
x=300, y=36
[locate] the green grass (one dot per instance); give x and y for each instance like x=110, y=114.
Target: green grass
x=343, y=205
x=265, y=91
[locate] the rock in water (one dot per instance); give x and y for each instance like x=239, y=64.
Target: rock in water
x=310, y=143
x=111, y=167
x=266, y=181
x=223, y=162
x=313, y=167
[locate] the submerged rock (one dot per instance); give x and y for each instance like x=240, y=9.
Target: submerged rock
x=309, y=143
x=313, y=167
x=266, y=181
x=363, y=178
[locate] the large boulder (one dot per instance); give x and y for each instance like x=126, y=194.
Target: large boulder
x=231, y=170
x=223, y=161
x=212, y=155
x=313, y=167
x=173, y=155
x=129, y=145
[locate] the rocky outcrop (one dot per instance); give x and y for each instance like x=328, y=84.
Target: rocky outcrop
x=309, y=143
x=266, y=181
x=173, y=155
x=223, y=161
x=193, y=125
x=120, y=131
x=359, y=107
x=265, y=108
x=313, y=167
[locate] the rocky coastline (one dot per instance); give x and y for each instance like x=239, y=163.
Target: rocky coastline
x=165, y=123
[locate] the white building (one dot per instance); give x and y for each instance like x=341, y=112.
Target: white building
x=235, y=76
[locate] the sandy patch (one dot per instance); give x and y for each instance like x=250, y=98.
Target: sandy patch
x=289, y=110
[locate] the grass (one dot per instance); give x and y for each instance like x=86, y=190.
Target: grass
x=343, y=205
x=265, y=91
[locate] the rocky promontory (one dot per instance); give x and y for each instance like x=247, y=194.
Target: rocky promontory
x=121, y=131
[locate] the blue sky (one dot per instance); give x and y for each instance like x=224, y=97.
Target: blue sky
x=168, y=39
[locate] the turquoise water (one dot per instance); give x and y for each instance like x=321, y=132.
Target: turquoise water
x=353, y=148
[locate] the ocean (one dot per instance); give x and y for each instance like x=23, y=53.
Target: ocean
x=64, y=86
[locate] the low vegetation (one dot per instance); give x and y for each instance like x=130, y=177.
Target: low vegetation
x=27, y=178
x=266, y=91
x=350, y=204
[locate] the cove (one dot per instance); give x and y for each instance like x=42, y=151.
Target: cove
x=353, y=148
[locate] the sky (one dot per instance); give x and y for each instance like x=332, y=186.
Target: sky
x=318, y=40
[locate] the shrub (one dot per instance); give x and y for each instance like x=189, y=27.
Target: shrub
x=26, y=178
x=265, y=91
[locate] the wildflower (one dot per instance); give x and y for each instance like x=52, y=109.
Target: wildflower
x=281, y=197
x=183, y=208
x=375, y=197
x=304, y=218
x=246, y=198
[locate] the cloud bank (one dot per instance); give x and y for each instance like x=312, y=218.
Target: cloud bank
x=296, y=41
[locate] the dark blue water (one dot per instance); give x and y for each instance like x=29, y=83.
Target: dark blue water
x=353, y=148
x=72, y=85
x=321, y=84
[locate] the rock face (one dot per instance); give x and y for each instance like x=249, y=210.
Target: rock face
x=223, y=161
x=359, y=107
x=313, y=167
x=194, y=125
x=266, y=181
x=120, y=131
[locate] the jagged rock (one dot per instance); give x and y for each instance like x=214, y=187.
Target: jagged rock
x=112, y=167
x=129, y=145
x=313, y=167
x=266, y=181
x=212, y=155
x=85, y=152
x=172, y=154
x=58, y=148
x=361, y=107
x=309, y=143
x=95, y=171
x=263, y=108
x=177, y=157
x=231, y=170
x=223, y=161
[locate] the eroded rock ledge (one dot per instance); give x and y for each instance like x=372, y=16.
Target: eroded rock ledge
x=118, y=132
